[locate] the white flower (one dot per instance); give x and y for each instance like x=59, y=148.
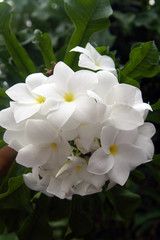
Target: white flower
x=129, y=95
x=73, y=178
x=69, y=91
x=91, y=59
x=34, y=182
x=117, y=156
x=45, y=145
x=143, y=141
x=14, y=136
x=26, y=102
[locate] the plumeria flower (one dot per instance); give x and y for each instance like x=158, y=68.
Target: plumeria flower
x=45, y=144
x=37, y=183
x=26, y=102
x=91, y=59
x=129, y=95
x=117, y=156
x=143, y=141
x=69, y=91
x=74, y=177
x=14, y=136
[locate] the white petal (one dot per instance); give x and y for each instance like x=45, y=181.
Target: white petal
x=55, y=187
x=81, y=81
x=100, y=163
x=108, y=137
x=146, y=145
x=124, y=94
x=16, y=139
x=31, y=156
x=87, y=133
x=62, y=74
x=85, y=109
x=128, y=137
x=86, y=62
x=7, y=120
x=147, y=129
x=106, y=63
x=125, y=117
x=127, y=158
x=79, y=49
x=106, y=81
x=24, y=111
x=20, y=93
x=59, y=117
x=40, y=132
x=34, y=80
x=48, y=106
x=49, y=91
x=33, y=182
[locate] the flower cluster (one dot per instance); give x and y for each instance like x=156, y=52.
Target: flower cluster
x=77, y=130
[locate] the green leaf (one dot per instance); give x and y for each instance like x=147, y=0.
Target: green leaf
x=154, y=117
x=156, y=106
x=2, y=130
x=143, y=62
x=45, y=44
x=156, y=159
x=124, y=202
x=4, y=99
x=36, y=224
x=124, y=79
x=2, y=144
x=80, y=223
x=13, y=184
x=142, y=218
x=88, y=16
x=8, y=236
x=18, y=53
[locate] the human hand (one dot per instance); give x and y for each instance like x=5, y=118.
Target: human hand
x=7, y=156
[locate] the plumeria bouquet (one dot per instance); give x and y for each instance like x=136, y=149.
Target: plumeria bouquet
x=78, y=132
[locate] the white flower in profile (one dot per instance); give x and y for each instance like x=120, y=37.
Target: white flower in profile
x=14, y=136
x=26, y=102
x=73, y=178
x=143, y=141
x=128, y=95
x=117, y=156
x=69, y=91
x=45, y=145
x=37, y=180
x=90, y=58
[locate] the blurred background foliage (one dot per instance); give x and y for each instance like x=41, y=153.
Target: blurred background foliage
x=131, y=212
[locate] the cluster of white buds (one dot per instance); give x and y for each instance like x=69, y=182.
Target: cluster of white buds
x=77, y=130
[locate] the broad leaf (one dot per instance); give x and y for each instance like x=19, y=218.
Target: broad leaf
x=18, y=53
x=88, y=16
x=143, y=62
x=124, y=202
x=80, y=223
x=45, y=44
x=8, y=236
x=156, y=106
x=154, y=116
x=4, y=99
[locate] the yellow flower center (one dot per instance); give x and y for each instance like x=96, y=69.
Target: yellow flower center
x=78, y=167
x=113, y=149
x=54, y=145
x=40, y=99
x=97, y=64
x=69, y=97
